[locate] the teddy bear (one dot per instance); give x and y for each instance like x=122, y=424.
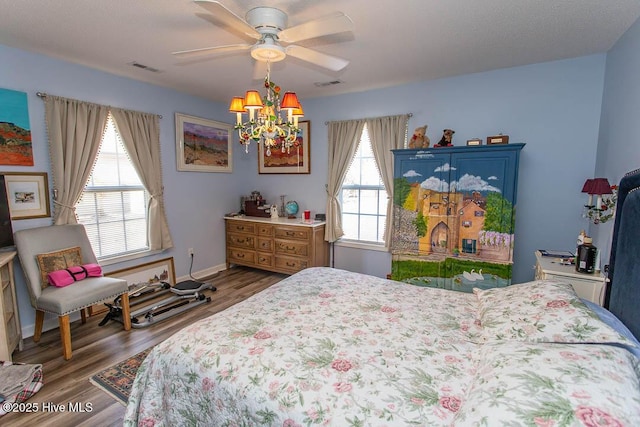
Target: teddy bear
x=446, y=140
x=419, y=138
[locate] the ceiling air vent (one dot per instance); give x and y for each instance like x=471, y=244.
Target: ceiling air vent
x=144, y=67
x=331, y=83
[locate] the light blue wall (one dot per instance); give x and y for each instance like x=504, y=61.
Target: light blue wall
x=195, y=201
x=552, y=107
x=619, y=142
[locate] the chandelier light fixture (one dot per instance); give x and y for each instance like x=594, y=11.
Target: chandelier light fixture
x=265, y=123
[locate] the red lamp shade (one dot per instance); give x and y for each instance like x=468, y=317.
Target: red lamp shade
x=588, y=185
x=290, y=101
x=601, y=186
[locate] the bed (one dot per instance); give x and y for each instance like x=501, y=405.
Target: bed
x=332, y=347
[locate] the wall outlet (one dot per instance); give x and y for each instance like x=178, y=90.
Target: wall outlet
x=190, y=251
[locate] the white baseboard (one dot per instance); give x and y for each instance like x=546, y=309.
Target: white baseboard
x=51, y=321
x=198, y=275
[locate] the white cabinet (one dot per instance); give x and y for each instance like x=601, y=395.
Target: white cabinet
x=10, y=330
x=587, y=286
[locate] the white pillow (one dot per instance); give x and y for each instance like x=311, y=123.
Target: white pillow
x=541, y=311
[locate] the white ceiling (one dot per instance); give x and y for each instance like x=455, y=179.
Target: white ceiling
x=393, y=42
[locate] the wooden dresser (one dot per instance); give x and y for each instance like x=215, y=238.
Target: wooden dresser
x=281, y=245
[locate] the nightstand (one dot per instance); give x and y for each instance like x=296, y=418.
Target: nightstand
x=587, y=286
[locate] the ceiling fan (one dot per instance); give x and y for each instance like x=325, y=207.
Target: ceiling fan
x=268, y=26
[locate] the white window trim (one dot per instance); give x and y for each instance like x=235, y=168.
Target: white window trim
x=128, y=257
x=361, y=244
x=355, y=243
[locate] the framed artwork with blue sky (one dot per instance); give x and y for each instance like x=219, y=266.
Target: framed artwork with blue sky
x=15, y=131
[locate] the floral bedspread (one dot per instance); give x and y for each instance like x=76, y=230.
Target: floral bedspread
x=331, y=347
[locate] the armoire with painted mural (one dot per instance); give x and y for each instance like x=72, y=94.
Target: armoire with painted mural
x=454, y=216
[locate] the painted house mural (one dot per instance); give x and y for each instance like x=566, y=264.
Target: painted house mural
x=454, y=214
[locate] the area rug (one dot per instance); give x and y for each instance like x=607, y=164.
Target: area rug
x=117, y=380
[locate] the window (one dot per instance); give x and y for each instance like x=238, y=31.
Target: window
x=363, y=197
x=113, y=206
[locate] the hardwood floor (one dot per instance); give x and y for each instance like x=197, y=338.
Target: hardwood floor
x=96, y=348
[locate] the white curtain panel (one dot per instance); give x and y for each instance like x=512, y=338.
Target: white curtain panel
x=344, y=138
x=75, y=130
x=140, y=135
x=386, y=134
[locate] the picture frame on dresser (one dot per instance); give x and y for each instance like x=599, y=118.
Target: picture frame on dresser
x=296, y=160
x=203, y=145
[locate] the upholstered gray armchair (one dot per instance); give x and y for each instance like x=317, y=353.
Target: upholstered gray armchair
x=52, y=247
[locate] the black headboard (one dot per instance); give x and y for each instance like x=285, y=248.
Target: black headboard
x=623, y=293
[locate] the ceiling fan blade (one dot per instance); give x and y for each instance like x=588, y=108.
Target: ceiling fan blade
x=224, y=15
x=331, y=24
x=322, y=59
x=193, y=53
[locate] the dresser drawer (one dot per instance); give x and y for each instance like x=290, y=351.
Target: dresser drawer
x=264, y=260
x=265, y=230
x=589, y=289
x=292, y=247
x=241, y=241
x=241, y=227
x=298, y=233
x=265, y=244
x=291, y=264
x=240, y=256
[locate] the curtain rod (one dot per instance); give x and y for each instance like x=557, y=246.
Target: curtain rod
x=43, y=95
x=366, y=118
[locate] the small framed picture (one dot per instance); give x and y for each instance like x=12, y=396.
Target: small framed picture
x=27, y=194
x=475, y=141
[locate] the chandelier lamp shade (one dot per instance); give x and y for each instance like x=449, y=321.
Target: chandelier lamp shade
x=599, y=187
x=265, y=123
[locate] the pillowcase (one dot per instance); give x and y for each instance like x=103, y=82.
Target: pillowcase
x=58, y=260
x=548, y=384
x=541, y=311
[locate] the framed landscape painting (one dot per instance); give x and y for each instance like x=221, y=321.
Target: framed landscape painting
x=203, y=145
x=297, y=160
x=15, y=131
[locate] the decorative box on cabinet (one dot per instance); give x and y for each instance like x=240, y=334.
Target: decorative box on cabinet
x=10, y=329
x=587, y=286
x=281, y=245
x=454, y=215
